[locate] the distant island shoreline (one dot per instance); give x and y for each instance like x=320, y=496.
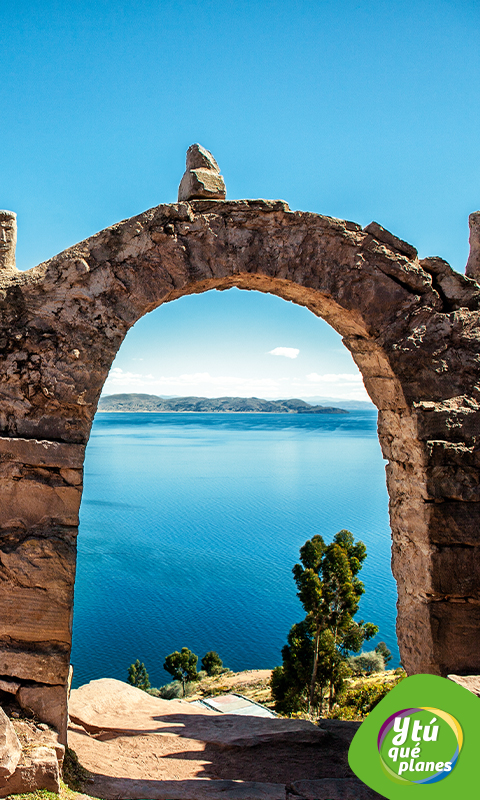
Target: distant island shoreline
x=216, y=411
x=153, y=404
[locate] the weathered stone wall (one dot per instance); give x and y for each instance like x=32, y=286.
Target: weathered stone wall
x=411, y=326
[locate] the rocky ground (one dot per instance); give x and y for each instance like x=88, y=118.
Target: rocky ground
x=137, y=746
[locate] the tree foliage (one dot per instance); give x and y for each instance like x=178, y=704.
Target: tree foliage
x=138, y=675
x=384, y=652
x=182, y=666
x=212, y=663
x=314, y=658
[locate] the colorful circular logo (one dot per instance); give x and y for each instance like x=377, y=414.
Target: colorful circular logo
x=419, y=745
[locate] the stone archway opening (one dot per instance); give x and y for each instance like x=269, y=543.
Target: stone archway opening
x=293, y=492
x=411, y=326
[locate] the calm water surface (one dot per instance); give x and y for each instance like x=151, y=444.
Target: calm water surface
x=191, y=523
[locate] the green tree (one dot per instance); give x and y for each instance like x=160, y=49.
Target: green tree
x=182, y=666
x=138, y=675
x=290, y=681
x=212, y=663
x=384, y=652
x=330, y=591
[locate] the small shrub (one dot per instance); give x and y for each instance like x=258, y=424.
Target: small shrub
x=357, y=702
x=366, y=663
x=171, y=691
x=214, y=690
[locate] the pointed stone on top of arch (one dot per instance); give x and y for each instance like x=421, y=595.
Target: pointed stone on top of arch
x=198, y=157
x=202, y=177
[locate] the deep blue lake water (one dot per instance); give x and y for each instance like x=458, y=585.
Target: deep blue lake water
x=191, y=524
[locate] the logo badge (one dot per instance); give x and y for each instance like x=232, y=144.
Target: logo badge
x=416, y=747
x=425, y=731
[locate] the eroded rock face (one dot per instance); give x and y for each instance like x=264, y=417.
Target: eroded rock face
x=412, y=327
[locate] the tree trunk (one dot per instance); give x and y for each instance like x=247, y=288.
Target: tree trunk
x=314, y=670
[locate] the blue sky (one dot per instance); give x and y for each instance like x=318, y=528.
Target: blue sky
x=359, y=110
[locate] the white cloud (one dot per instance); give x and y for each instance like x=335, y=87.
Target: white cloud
x=335, y=377
x=198, y=383
x=346, y=385
x=118, y=374
x=288, y=352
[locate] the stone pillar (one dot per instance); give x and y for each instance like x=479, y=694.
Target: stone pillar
x=8, y=240
x=472, y=270
x=40, y=492
x=434, y=489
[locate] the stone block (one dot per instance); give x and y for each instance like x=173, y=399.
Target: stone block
x=10, y=749
x=455, y=629
x=33, y=615
x=456, y=290
x=8, y=240
x=473, y=264
x=386, y=393
x=10, y=687
x=456, y=573
x=200, y=158
x=36, y=596
x=412, y=566
x=49, y=704
x=26, y=503
x=44, y=661
x=454, y=483
x=42, y=453
x=199, y=183
x=382, y=235
x=454, y=523
x=38, y=770
x=456, y=420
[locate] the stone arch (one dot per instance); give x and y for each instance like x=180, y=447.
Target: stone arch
x=412, y=329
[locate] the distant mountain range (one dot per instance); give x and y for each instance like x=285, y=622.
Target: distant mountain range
x=153, y=403
x=349, y=405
